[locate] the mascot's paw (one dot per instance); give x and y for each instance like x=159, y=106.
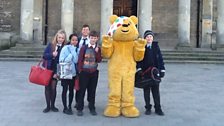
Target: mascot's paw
x=130, y=111
x=112, y=111
x=141, y=42
x=106, y=41
x=106, y=38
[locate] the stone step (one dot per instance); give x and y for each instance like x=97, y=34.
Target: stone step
x=181, y=58
x=30, y=44
x=194, y=61
x=19, y=56
x=191, y=52
x=19, y=59
x=27, y=48
x=194, y=54
x=17, y=53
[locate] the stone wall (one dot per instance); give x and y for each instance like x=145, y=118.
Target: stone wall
x=165, y=22
x=87, y=12
x=9, y=15
x=9, y=22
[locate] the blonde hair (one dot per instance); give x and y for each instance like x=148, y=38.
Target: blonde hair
x=55, y=41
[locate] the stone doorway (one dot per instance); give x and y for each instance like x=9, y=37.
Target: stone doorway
x=125, y=7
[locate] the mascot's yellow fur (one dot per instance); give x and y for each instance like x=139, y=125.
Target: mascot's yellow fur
x=123, y=48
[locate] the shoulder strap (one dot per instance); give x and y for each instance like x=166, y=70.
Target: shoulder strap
x=147, y=70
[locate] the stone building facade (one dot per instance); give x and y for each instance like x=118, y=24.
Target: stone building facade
x=181, y=24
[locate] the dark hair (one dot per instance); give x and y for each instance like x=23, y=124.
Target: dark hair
x=94, y=34
x=73, y=34
x=85, y=25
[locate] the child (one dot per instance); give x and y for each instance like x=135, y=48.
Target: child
x=152, y=58
x=89, y=57
x=69, y=54
x=83, y=40
x=51, y=56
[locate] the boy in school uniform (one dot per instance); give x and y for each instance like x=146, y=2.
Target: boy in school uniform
x=152, y=58
x=82, y=41
x=89, y=57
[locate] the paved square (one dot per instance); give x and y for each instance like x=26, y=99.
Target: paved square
x=191, y=95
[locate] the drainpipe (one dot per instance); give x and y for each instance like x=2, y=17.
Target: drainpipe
x=198, y=24
x=46, y=22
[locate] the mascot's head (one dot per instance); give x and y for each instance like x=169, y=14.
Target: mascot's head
x=123, y=28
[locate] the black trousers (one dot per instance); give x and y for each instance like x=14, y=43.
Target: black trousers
x=87, y=81
x=155, y=95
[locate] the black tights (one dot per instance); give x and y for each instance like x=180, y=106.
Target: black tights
x=67, y=84
x=50, y=93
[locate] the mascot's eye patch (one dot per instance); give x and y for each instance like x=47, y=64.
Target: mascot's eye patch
x=118, y=25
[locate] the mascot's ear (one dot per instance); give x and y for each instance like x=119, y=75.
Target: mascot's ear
x=134, y=19
x=113, y=18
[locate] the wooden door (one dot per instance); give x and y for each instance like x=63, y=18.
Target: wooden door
x=125, y=7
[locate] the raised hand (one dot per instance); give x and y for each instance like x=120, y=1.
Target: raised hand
x=106, y=41
x=141, y=43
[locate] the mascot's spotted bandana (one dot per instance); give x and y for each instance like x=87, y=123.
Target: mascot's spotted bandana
x=118, y=22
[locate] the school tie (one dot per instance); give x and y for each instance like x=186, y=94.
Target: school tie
x=84, y=41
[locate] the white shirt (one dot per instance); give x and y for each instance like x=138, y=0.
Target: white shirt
x=56, y=48
x=149, y=45
x=81, y=41
x=89, y=45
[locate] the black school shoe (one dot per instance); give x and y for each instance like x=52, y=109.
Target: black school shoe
x=68, y=111
x=54, y=109
x=159, y=112
x=79, y=113
x=46, y=110
x=148, y=112
x=93, y=112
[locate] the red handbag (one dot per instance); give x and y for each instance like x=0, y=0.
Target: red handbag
x=76, y=87
x=39, y=75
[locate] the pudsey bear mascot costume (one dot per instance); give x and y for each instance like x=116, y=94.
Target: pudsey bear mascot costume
x=123, y=48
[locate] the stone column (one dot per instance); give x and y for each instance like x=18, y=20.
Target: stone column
x=144, y=16
x=38, y=20
x=106, y=12
x=207, y=14
x=26, y=20
x=220, y=25
x=184, y=24
x=67, y=16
